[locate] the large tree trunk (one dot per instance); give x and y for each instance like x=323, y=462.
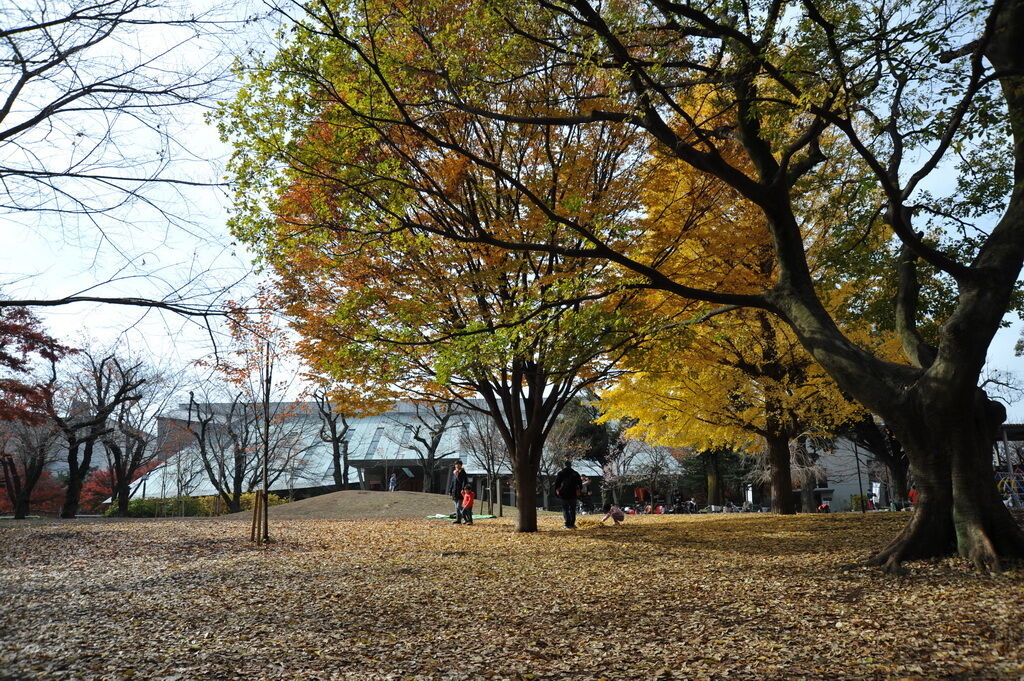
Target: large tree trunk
x=21, y=507
x=14, y=488
x=807, y=504
x=77, y=472
x=781, y=477
x=32, y=475
x=962, y=428
x=714, y=478
x=985, y=530
x=123, y=497
x=958, y=506
x=18, y=491
x=428, y=475
x=72, y=498
x=525, y=464
x=526, y=500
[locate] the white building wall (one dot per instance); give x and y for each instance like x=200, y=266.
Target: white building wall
x=845, y=479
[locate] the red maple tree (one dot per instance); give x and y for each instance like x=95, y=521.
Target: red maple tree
x=23, y=339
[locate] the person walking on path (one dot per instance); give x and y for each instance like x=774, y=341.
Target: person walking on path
x=467, y=505
x=456, y=483
x=568, y=485
x=393, y=482
x=585, y=495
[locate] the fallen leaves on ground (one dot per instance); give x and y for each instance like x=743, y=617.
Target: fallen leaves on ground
x=672, y=597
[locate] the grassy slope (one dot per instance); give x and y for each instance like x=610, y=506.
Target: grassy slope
x=356, y=504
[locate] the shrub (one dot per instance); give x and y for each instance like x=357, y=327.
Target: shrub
x=214, y=505
x=158, y=508
x=248, y=500
x=188, y=506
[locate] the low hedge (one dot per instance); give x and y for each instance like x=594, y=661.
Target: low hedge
x=188, y=506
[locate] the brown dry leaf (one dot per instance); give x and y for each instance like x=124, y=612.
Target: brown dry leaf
x=672, y=597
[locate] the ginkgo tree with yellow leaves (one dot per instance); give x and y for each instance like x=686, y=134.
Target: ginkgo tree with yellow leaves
x=734, y=382
x=734, y=379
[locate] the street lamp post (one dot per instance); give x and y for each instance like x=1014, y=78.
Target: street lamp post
x=860, y=483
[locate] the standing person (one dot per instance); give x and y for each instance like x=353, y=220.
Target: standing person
x=393, y=482
x=585, y=494
x=456, y=483
x=567, y=487
x=467, y=504
x=643, y=499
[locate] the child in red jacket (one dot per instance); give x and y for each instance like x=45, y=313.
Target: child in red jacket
x=467, y=504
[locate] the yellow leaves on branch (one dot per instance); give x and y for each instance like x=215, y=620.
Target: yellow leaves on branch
x=702, y=232
x=722, y=382
x=728, y=379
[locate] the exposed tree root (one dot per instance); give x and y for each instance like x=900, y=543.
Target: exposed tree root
x=928, y=535
x=986, y=548
x=889, y=559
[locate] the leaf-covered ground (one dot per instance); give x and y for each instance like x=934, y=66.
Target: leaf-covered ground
x=675, y=597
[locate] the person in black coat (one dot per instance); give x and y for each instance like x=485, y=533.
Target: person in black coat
x=456, y=483
x=568, y=484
